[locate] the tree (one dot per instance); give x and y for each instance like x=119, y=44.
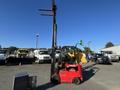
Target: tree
x=109, y=44
x=0, y=46
x=11, y=49
x=87, y=50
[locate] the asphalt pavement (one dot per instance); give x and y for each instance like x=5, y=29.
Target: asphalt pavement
x=96, y=77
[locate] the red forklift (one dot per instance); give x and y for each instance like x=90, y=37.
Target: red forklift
x=68, y=72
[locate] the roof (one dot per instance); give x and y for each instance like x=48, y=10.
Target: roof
x=115, y=48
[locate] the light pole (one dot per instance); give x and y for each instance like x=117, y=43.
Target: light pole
x=37, y=39
x=89, y=42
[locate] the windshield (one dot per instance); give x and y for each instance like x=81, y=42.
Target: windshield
x=99, y=55
x=109, y=52
x=23, y=51
x=43, y=52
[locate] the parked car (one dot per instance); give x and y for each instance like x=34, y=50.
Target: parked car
x=101, y=59
x=2, y=56
x=22, y=53
x=42, y=56
x=23, y=56
x=111, y=56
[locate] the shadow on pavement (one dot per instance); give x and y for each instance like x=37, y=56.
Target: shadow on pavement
x=46, y=86
x=89, y=73
x=104, y=64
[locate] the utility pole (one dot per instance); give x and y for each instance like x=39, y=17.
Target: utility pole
x=54, y=35
x=37, y=37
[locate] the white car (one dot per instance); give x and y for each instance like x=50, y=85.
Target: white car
x=42, y=56
x=2, y=57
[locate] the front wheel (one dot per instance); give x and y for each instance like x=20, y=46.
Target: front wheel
x=77, y=81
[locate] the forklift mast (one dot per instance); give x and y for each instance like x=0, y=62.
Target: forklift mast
x=54, y=39
x=54, y=35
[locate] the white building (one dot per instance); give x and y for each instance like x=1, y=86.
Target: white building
x=115, y=49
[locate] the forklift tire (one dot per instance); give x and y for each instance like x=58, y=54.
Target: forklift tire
x=55, y=79
x=76, y=81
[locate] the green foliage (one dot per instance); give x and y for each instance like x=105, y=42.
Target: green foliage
x=11, y=49
x=109, y=44
x=81, y=42
x=87, y=50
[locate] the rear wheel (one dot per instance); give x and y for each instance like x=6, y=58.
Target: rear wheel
x=41, y=61
x=55, y=79
x=118, y=61
x=77, y=81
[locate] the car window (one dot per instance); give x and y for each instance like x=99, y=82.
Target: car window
x=43, y=52
x=99, y=55
x=23, y=51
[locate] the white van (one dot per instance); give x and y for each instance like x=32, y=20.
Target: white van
x=42, y=56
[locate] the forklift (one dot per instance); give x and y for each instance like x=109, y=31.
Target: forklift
x=67, y=69
x=62, y=70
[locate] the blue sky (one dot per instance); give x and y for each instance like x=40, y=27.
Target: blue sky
x=97, y=21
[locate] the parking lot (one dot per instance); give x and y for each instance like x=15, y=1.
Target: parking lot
x=100, y=77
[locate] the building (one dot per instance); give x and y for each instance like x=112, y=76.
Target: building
x=114, y=49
